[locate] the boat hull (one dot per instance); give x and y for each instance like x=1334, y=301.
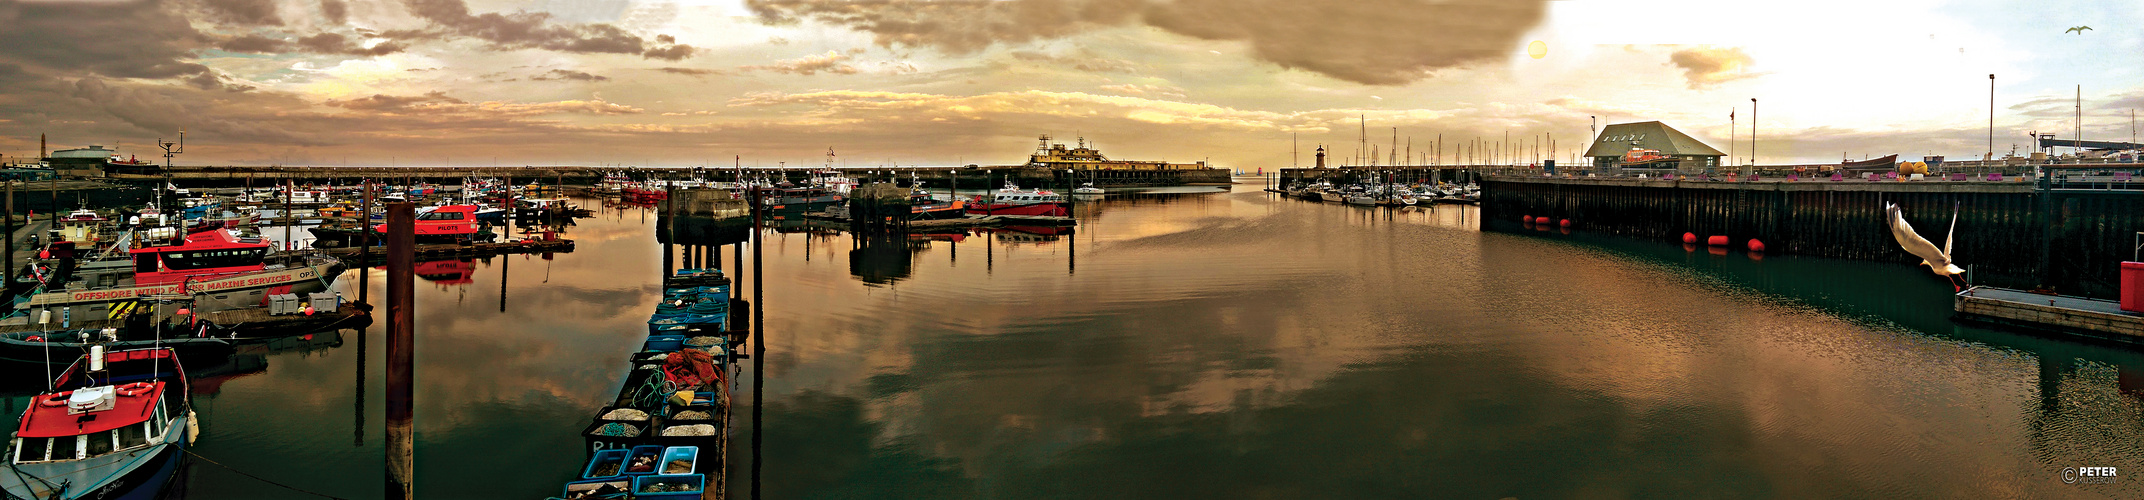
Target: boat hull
x=1049, y=209
x=148, y=475
x=312, y=276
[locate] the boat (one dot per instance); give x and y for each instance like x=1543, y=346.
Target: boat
x=921, y=206
x=1331, y=196
x=82, y=227
x=114, y=425
x=234, y=271
x=442, y=224
x=1884, y=164
x=798, y=199
x=1087, y=188
x=59, y=346
x=1648, y=158
x=1015, y=201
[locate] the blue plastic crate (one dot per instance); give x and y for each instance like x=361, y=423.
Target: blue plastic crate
x=605, y=460
x=669, y=486
x=606, y=488
x=643, y=460
x=664, y=343
x=680, y=460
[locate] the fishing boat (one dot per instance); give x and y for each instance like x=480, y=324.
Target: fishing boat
x=1087, y=188
x=798, y=199
x=60, y=346
x=921, y=206
x=83, y=228
x=114, y=425
x=1015, y=201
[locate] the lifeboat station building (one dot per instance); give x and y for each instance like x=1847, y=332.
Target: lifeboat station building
x=1616, y=142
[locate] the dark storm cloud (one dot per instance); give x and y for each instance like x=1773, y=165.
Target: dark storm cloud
x=165, y=109
x=130, y=39
x=1379, y=42
x=524, y=29
x=252, y=43
x=243, y=12
x=322, y=43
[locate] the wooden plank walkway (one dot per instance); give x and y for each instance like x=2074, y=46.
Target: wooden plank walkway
x=2092, y=318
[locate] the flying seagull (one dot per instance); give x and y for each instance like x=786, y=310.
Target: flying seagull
x=2079, y=29
x=1937, y=259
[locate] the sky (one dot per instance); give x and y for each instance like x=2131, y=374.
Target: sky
x=1244, y=84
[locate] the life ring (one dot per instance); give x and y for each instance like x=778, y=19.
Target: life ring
x=135, y=389
x=53, y=401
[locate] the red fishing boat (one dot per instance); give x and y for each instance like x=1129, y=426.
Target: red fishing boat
x=114, y=426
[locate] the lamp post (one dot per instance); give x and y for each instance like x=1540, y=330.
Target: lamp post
x=1752, y=135
x=1991, y=120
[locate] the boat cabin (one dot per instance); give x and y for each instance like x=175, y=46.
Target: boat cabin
x=202, y=254
x=448, y=220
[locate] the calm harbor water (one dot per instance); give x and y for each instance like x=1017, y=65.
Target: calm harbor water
x=1197, y=343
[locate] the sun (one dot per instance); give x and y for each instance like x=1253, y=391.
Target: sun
x=1538, y=49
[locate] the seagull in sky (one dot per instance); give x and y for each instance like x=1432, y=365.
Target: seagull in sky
x=2079, y=29
x=1937, y=259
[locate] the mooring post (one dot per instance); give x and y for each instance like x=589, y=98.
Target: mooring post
x=364, y=245
x=10, y=236
x=759, y=345
x=401, y=352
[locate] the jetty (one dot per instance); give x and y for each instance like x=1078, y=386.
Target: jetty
x=2061, y=314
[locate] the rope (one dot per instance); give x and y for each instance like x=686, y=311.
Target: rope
x=262, y=479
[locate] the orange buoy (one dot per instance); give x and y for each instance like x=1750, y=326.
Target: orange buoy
x=1526, y=219
x=1543, y=220
x=1718, y=241
x=1689, y=238
x=1564, y=222
x=1756, y=246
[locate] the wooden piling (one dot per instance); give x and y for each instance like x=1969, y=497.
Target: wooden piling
x=401, y=349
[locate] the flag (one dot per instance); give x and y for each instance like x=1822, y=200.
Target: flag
x=1730, y=114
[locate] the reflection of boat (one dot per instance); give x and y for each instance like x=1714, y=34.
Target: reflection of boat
x=447, y=272
x=114, y=425
x=36, y=348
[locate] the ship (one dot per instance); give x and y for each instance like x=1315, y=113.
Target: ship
x=1884, y=164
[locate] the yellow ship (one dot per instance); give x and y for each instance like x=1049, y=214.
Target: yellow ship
x=1058, y=157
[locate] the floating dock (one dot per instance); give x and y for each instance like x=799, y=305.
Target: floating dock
x=2078, y=316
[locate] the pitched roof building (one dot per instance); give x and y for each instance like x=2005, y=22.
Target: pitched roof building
x=1618, y=139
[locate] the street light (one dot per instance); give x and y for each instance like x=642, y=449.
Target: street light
x=1752, y=134
x=1991, y=120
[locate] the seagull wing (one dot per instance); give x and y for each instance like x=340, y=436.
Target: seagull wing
x=1912, y=242
x=1952, y=234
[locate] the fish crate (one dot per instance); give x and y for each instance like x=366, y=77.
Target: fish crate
x=592, y=489
x=606, y=464
x=669, y=486
x=644, y=460
x=680, y=460
x=602, y=436
x=664, y=343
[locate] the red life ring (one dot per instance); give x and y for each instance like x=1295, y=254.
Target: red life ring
x=135, y=389
x=53, y=401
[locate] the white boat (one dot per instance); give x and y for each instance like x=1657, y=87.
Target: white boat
x=1087, y=188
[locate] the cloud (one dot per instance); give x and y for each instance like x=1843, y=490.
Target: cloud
x=335, y=11
x=1085, y=60
x=243, y=12
x=155, y=109
x=524, y=29
x=830, y=62
x=125, y=39
x=380, y=102
x=1139, y=89
x=567, y=74
x=689, y=71
x=1378, y=42
x=1707, y=66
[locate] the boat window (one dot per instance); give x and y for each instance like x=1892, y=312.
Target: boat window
x=204, y=259
x=133, y=435
x=32, y=449
x=145, y=263
x=435, y=215
x=100, y=443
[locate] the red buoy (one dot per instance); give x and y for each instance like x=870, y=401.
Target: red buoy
x=1543, y=220
x=1756, y=246
x=1526, y=219
x=1564, y=222
x=1718, y=241
x=1689, y=238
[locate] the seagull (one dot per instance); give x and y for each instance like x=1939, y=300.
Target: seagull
x=2079, y=29
x=1937, y=259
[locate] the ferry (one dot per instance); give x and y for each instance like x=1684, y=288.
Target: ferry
x=114, y=426
x=1015, y=201
x=229, y=270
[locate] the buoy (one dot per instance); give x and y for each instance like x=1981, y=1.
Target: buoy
x=1689, y=238
x=1718, y=241
x=1564, y=222
x=1526, y=219
x=193, y=427
x=1756, y=246
x=1543, y=220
